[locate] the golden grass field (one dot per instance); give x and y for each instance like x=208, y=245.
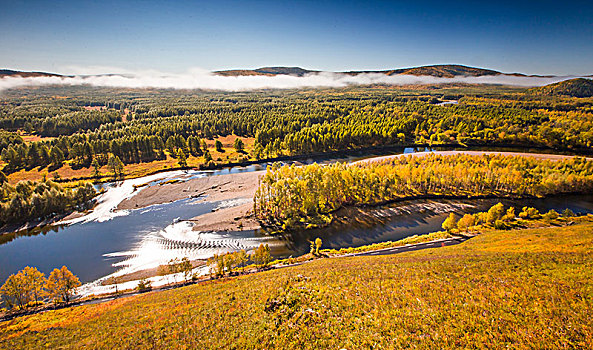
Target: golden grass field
x=530, y=288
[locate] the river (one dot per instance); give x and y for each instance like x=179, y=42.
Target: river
x=109, y=241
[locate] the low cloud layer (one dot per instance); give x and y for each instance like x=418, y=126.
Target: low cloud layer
x=201, y=79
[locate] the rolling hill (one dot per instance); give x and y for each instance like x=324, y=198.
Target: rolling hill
x=442, y=71
x=579, y=87
x=267, y=71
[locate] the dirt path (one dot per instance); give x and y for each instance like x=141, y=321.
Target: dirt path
x=412, y=247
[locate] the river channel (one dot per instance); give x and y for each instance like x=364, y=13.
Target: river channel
x=108, y=241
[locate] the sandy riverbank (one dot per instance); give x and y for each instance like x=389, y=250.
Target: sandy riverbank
x=471, y=153
x=212, y=188
x=236, y=218
x=235, y=190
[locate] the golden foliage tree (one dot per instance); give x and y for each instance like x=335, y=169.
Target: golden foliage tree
x=14, y=291
x=61, y=284
x=450, y=222
x=467, y=221
x=24, y=287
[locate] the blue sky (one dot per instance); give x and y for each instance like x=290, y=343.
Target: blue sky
x=534, y=37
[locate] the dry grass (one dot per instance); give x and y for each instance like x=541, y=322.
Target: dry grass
x=520, y=289
x=228, y=144
x=229, y=155
x=35, y=138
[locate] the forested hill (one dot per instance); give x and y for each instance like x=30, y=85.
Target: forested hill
x=579, y=87
x=269, y=71
x=442, y=71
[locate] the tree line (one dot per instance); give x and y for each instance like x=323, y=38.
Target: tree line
x=82, y=153
x=499, y=217
x=221, y=264
x=291, y=197
x=30, y=200
x=285, y=123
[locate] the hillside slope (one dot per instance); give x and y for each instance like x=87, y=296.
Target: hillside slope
x=520, y=289
x=441, y=71
x=267, y=71
x=579, y=87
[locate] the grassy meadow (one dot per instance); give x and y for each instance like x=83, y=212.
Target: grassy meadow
x=529, y=288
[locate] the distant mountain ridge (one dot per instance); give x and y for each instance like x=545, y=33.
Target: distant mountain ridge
x=439, y=70
x=269, y=71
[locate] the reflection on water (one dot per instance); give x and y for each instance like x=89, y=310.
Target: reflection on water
x=387, y=223
x=82, y=246
x=403, y=219
x=180, y=240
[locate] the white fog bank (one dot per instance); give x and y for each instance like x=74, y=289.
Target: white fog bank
x=201, y=79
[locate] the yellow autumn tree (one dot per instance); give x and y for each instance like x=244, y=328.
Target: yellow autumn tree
x=35, y=283
x=14, y=292
x=24, y=287
x=466, y=222
x=450, y=223
x=61, y=284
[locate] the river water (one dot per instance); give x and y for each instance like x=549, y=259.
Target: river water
x=110, y=242
x=106, y=240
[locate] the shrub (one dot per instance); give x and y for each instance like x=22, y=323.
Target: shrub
x=144, y=286
x=218, y=145
x=239, y=144
x=529, y=213
x=466, y=222
x=551, y=215
x=510, y=215
x=496, y=212
x=500, y=225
